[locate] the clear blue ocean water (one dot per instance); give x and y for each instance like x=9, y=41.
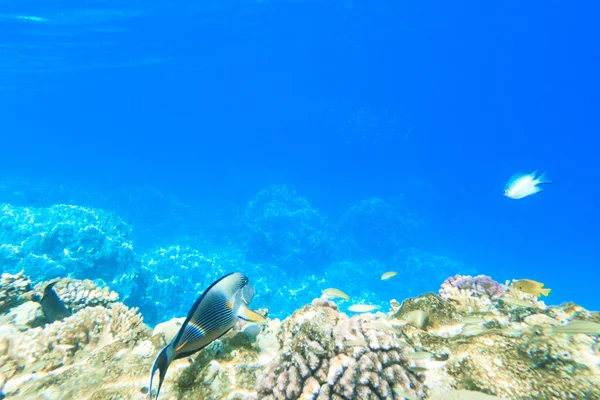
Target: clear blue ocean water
x=176, y=114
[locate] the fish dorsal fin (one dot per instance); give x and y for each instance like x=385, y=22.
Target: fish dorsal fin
x=248, y=315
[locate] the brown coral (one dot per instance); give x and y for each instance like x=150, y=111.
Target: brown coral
x=326, y=355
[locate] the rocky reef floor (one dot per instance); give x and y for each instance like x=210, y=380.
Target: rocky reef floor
x=475, y=339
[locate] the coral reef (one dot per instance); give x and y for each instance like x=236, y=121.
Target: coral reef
x=64, y=240
x=21, y=302
x=281, y=228
x=78, y=294
x=497, y=349
x=151, y=213
x=12, y=287
x=283, y=243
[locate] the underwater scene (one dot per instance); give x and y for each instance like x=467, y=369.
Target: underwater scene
x=299, y=199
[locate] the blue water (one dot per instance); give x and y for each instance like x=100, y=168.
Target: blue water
x=430, y=106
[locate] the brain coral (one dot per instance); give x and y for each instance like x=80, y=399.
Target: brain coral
x=326, y=355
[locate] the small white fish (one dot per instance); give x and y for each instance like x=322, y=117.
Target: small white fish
x=403, y=393
x=360, y=308
x=419, y=355
x=523, y=185
x=475, y=319
x=335, y=293
x=515, y=302
x=355, y=342
x=378, y=325
x=388, y=275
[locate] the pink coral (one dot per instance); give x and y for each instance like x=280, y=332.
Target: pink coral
x=326, y=355
x=479, y=286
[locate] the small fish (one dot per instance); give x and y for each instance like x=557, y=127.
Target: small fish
x=53, y=307
x=474, y=319
x=417, y=318
x=514, y=302
x=213, y=314
x=532, y=287
x=394, y=306
x=523, y=185
x=472, y=330
x=398, y=322
x=417, y=369
x=378, y=325
x=64, y=347
x=404, y=393
x=355, y=342
x=335, y=293
x=363, y=308
x=419, y=355
x=578, y=326
x=388, y=275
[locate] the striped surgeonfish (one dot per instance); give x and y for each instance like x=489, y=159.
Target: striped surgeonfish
x=213, y=314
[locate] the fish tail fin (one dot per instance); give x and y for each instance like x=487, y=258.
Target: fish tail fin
x=248, y=315
x=161, y=363
x=543, y=178
x=545, y=291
